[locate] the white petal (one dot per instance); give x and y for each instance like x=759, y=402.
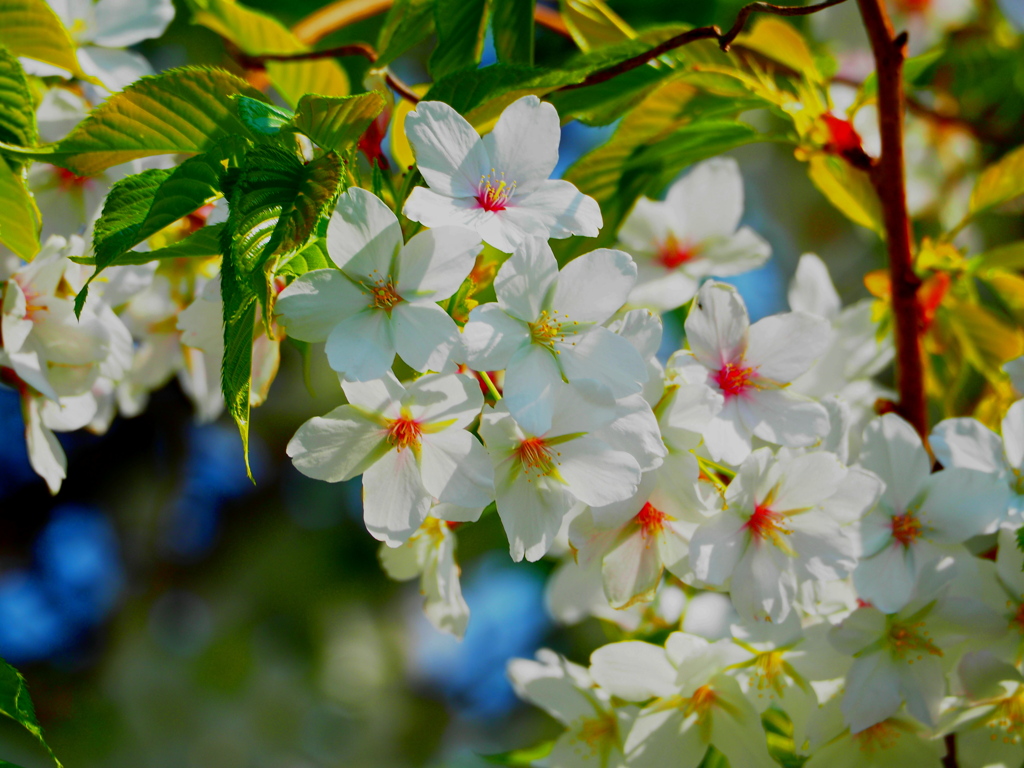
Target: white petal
x=783, y=417
x=491, y=338
x=717, y=326
x=665, y=737
x=524, y=143
x=894, y=452
x=736, y=728
x=923, y=684
x=337, y=446
x=783, y=347
x=523, y=281
x=633, y=670
x=646, y=227
x=739, y=253
x=960, y=503
x=449, y=153
x=811, y=289
x=451, y=399
x=395, y=503
x=716, y=547
x=763, y=585
x=317, y=301
x=807, y=481
x=872, y=692
x=363, y=235
x=375, y=395
x=631, y=570
x=456, y=468
x=709, y=199
x=117, y=69
x=726, y=437
x=434, y=210
x=596, y=474
x=967, y=443
x=664, y=292
x=120, y=23
x=555, y=209
x=531, y=379
x=887, y=579
x=591, y=288
x=1013, y=434
x=433, y=264
x=605, y=357
x=424, y=335
x=360, y=347
x=44, y=451
x=531, y=511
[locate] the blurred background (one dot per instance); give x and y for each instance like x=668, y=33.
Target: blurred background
x=167, y=612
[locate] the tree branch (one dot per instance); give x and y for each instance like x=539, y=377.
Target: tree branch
x=887, y=177
x=725, y=39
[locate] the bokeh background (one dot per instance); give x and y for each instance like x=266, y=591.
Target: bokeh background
x=167, y=612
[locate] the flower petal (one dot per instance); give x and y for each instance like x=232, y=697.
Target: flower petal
x=424, y=335
x=605, y=357
x=969, y=444
x=523, y=281
x=317, y=301
x=449, y=153
x=717, y=326
x=456, y=468
x=591, y=288
x=555, y=209
x=360, y=347
x=893, y=451
x=523, y=146
x=363, y=236
x=395, y=503
x=783, y=347
x=596, y=474
x=491, y=338
x=444, y=398
x=886, y=580
x=337, y=446
x=633, y=670
x=709, y=199
x=433, y=264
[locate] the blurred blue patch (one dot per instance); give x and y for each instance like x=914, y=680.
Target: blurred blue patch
x=74, y=585
x=15, y=471
x=507, y=619
x=214, y=473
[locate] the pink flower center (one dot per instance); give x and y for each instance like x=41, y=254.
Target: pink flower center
x=385, y=295
x=68, y=180
x=906, y=529
x=535, y=456
x=765, y=523
x=650, y=519
x=672, y=253
x=734, y=379
x=404, y=432
x=494, y=193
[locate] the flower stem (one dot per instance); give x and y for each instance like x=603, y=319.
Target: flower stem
x=887, y=177
x=486, y=379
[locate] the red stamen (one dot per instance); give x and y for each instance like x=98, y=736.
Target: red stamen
x=734, y=379
x=404, y=432
x=906, y=529
x=650, y=519
x=672, y=253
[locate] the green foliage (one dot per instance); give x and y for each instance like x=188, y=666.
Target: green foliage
x=16, y=704
x=1000, y=182
x=525, y=756
x=849, y=190
x=185, y=110
x=593, y=24
x=203, y=243
x=260, y=116
x=255, y=33
x=31, y=29
x=1020, y=538
x=461, y=26
x=17, y=108
x=336, y=123
x=19, y=218
x=512, y=25
x=408, y=23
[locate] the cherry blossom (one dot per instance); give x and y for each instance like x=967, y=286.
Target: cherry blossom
x=989, y=726
x=383, y=297
x=691, y=235
x=497, y=185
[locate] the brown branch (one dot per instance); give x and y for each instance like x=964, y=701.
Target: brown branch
x=724, y=39
x=887, y=177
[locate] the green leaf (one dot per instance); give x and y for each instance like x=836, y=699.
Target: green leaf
x=19, y=218
x=848, y=189
x=1020, y=538
x=260, y=116
x=1000, y=182
x=236, y=368
x=525, y=756
x=512, y=28
x=313, y=256
x=461, y=26
x=185, y=110
x=256, y=33
x=781, y=41
x=203, y=243
x=16, y=704
x=496, y=86
x=408, y=23
x=1009, y=256
x=593, y=24
x=31, y=29
x=336, y=123
x=17, y=108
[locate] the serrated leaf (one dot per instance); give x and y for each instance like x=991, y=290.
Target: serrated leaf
x=256, y=33
x=782, y=42
x=239, y=301
x=1000, y=182
x=525, y=756
x=31, y=29
x=408, y=23
x=17, y=108
x=512, y=29
x=203, y=243
x=593, y=24
x=313, y=256
x=185, y=110
x=16, y=704
x=19, y=218
x=461, y=26
x=260, y=116
x=848, y=189
x=336, y=123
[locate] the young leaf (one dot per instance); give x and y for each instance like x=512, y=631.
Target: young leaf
x=16, y=704
x=408, y=23
x=781, y=41
x=512, y=27
x=525, y=756
x=461, y=26
x=1000, y=182
x=336, y=123
x=17, y=108
x=236, y=368
x=31, y=29
x=255, y=33
x=185, y=110
x=203, y=243
x=593, y=24
x=19, y=218
x=260, y=116
x=848, y=189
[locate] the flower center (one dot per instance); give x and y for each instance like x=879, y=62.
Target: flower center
x=1007, y=720
x=651, y=520
x=910, y=642
x=906, y=528
x=404, y=432
x=596, y=732
x=765, y=523
x=701, y=702
x=673, y=253
x=878, y=737
x=547, y=328
x=68, y=180
x=536, y=457
x=494, y=192
x=768, y=673
x=384, y=294
x=734, y=379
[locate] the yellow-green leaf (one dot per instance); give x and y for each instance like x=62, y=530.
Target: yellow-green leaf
x=848, y=189
x=256, y=33
x=19, y=219
x=782, y=42
x=1000, y=182
x=337, y=122
x=987, y=341
x=185, y=110
x=593, y=24
x=31, y=29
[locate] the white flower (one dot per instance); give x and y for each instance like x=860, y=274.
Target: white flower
x=593, y=727
x=430, y=554
x=688, y=403
x=919, y=515
x=691, y=235
x=497, y=185
x=896, y=742
x=383, y=297
x=783, y=524
x=989, y=727
x=591, y=450
x=969, y=444
x=695, y=705
x=546, y=328
x=411, y=445
x=752, y=366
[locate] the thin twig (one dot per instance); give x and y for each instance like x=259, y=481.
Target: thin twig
x=724, y=39
x=887, y=177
